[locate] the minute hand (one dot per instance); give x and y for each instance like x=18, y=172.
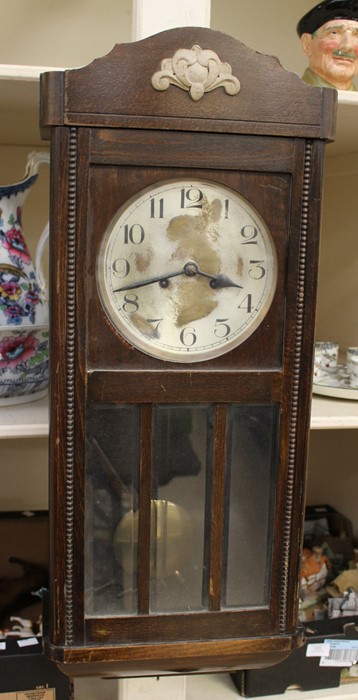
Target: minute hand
x=152, y=280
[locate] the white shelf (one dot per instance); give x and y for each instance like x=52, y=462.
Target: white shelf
x=24, y=420
x=328, y=414
x=205, y=687
x=22, y=73
x=31, y=419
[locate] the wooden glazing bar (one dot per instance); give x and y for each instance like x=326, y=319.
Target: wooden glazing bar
x=217, y=508
x=185, y=387
x=145, y=486
x=223, y=624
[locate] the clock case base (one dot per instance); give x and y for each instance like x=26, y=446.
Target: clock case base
x=198, y=657
x=110, y=129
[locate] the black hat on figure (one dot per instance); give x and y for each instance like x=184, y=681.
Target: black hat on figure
x=324, y=12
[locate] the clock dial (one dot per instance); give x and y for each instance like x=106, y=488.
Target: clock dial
x=186, y=270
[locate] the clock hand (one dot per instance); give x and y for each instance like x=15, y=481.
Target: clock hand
x=216, y=282
x=190, y=269
x=222, y=281
x=162, y=279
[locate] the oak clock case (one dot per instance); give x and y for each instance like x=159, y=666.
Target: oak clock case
x=184, y=239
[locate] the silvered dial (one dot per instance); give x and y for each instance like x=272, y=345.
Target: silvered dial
x=186, y=270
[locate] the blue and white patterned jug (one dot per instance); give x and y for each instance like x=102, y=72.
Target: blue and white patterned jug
x=23, y=302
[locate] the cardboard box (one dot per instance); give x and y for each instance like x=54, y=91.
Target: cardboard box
x=26, y=674
x=299, y=669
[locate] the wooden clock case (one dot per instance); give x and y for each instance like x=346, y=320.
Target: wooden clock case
x=112, y=134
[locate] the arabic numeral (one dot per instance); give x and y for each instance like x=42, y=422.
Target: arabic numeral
x=156, y=323
x=257, y=272
x=130, y=305
x=246, y=304
x=156, y=208
x=222, y=329
x=188, y=337
x=120, y=267
x=191, y=198
x=134, y=234
x=249, y=233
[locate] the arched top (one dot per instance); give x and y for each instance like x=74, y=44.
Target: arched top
x=189, y=73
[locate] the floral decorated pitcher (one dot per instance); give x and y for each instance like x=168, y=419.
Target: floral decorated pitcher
x=23, y=302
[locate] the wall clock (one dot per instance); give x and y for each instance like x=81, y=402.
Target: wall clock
x=185, y=209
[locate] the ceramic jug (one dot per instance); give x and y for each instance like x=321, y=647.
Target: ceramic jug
x=23, y=302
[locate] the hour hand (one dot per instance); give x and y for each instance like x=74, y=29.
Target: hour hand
x=221, y=281
x=162, y=279
x=216, y=281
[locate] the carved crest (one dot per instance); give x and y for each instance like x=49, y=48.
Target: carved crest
x=196, y=70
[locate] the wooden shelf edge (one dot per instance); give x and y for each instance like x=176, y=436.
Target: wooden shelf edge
x=28, y=431
x=24, y=73
x=333, y=414
x=25, y=420
x=347, y=97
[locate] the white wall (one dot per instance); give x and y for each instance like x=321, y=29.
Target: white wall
x=71, y=33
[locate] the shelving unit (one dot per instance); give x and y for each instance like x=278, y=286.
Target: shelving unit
x=24, y=427
x=19, y=127
x=24, y=420
x=329, y=414
x=20, y=85
x=31, y=419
